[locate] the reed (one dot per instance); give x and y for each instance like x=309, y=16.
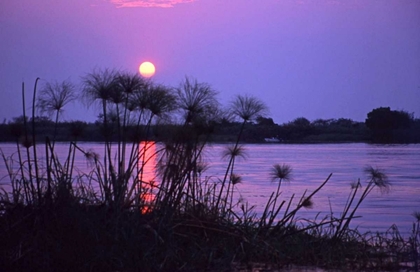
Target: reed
x=53, y=217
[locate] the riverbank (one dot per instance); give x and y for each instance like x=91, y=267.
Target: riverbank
x=70, y=236
x=338, y=131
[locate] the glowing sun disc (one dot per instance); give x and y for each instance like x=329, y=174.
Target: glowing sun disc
x=147, y=69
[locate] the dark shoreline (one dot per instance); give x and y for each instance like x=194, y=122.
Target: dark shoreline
x=357, y=132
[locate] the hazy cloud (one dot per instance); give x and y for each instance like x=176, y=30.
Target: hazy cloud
x=148, y=3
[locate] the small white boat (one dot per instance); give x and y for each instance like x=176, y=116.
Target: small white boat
x=272, y=140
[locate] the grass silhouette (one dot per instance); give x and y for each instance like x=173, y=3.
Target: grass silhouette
x=54, y=218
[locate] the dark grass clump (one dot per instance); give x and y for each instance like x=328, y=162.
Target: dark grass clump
x=56, y=218
x=95, y=238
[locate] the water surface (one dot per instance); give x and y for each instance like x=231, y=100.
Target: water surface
x=313, y=163
x=311, y=166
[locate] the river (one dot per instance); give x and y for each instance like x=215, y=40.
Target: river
x=311, y=164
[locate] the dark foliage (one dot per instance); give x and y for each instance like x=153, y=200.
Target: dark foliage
x=388, y=126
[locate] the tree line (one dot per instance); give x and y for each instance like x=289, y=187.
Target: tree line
x=381, y=126
x=128, y=100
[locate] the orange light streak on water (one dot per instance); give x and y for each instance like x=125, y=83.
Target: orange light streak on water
x=147, y=173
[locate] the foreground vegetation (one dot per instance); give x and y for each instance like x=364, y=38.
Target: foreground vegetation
x=54, y=218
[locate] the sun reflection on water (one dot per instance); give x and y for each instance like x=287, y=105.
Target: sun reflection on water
x=147, y=173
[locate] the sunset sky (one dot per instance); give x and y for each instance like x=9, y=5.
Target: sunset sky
x=303, y=58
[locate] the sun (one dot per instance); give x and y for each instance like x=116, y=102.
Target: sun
x=147, y=69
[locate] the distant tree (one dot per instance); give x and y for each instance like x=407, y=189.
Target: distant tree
x=16, y=126
x=403, y=119
x=322, y=122
x=383, y=121
x=42, y=121
x=76, y=129
x=296, y=130
x=344, y=122
x=265, y=121
x=385, y=118
x=301, y=122
x=19, y=120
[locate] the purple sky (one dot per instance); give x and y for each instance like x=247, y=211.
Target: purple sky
x=303, y=58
